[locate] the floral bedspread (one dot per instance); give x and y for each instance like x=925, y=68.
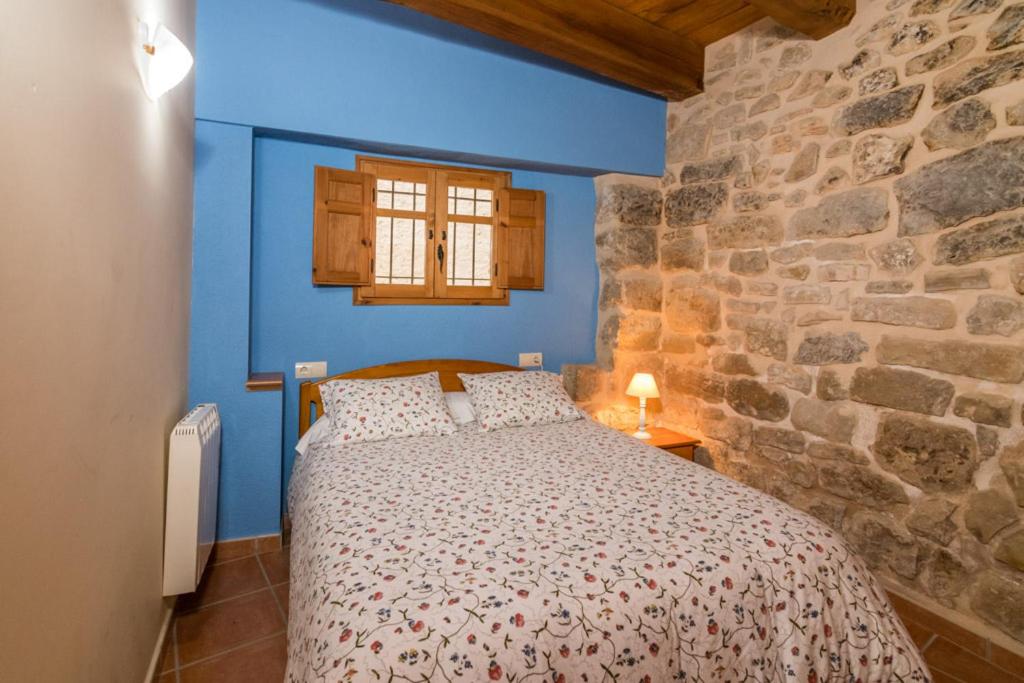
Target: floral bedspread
x=568, y=552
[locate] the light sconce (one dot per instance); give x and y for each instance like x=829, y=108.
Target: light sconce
x=643, y=387
x=164, y=60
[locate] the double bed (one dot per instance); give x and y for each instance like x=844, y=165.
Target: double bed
x=564, y=552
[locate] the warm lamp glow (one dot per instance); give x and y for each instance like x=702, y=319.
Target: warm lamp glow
x=164, y=61
x=642, y=386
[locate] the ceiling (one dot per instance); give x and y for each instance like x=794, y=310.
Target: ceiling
x=653, y=45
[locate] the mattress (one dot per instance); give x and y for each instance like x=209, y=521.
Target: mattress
x=568, y=552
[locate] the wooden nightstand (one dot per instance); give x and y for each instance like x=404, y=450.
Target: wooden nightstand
x=673, y=442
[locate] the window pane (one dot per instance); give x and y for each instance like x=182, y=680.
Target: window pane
x=467, y=192
x=451, y=202
x=403, y=186
x=400, y=251
x=464, y=207
x=382, y=255
x=383, y=184
x=421, y=202
x=484, y=195
x=470, y=201
x=419, y=251
x=469, y=254
x=483, y=209
x=403, y=202
x=384, y=200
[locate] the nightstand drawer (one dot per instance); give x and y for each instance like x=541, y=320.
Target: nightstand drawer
x=681, y=451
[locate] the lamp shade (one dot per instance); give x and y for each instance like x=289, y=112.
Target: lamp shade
x=642, y=386
x=165, y=60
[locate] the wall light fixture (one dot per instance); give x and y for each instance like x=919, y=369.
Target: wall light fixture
x=164, y=61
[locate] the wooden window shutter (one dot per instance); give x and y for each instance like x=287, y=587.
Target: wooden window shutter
x=521, y=239
x=343, y=226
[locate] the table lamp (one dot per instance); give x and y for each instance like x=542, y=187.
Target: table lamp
x=643, y=387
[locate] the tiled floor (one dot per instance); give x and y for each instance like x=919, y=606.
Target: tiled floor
x=233, y=628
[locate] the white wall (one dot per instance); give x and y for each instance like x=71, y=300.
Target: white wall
x=95, y=247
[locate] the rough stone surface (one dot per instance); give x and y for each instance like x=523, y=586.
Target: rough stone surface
x=877, y=156
x=806, y=294
x=882, y=543
x=1015, y=114
x=629, y=204
x=715, y=424
x=682, y=250
x=969, y=8
x=792, y=253
x=988, y=441
x=854, y=212
x=1016, y=268
x=687, y=142
x=805, y=163
x=828, y=348
x=799, y=272
x=995, y=314
x=640, y=292
x=987, y=513
x=910, y=36
x=743, y=202
x=980, y=242
x=795, y=378
x=753, y=399
x=695, y=204
x=691, y=309
x=769, y=102
x=831, y=421
x=928, y=7
x=947, y=575
x=878, y=81
x=733, y=364
x=1007, y=29
x=830, y=386
x=888, y=287
x=993, y=362
x=831, y=95
x=862, y=61
x=913, y=311
x=826, y=450
x=763, y=336
x=1011, y=461
x=778, y=437
x=838, y=148
x=811, y=82
x=954, y=279
x=878, y=111
x=745, y=232
x=997, y=597
x=1011, y=550
x=988, y=178
x=899, y=257
x=901, y=389
x=860, y=484
x=713, y=169
x=984, y=408
x=623, y=247
x=932, y=456
x=843, y=272
x=794, y=55
x=834, y=178
x=748, y=262
x=932, y=519
x=639, y=333
x=972, y=76
x=963, y=125
x=695, y=382
x=941, y=57
x=839, y=251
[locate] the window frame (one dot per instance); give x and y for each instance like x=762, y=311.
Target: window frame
x=435, y=289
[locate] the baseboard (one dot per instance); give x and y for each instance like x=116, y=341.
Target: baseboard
x=158, y=651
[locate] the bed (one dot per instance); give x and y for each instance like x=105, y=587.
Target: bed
x=565, y=552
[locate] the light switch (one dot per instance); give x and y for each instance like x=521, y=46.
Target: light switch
x=311, y=370
x=531, y=360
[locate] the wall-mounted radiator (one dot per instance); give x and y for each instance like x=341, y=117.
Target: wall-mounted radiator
x=192, y=474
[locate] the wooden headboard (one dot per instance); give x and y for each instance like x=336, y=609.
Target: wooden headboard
x=311, y=405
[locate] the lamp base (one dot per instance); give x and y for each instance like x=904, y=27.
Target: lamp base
x=642, y=434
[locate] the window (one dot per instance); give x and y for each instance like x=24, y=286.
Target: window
x=407, y=232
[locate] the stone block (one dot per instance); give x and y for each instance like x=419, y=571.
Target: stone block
x=783, y=439
x=806, y=294
x=912, y=311
x=626, y=247
x=845, y=214
x=980, y=242
x=882, y=543
x=1007, y=29
x=831, y=421
x=753, y=399
x=993, y=362
x=964, y=124
x=745, y=232
x=902, y=390
x=988, y=512
x=878, y=111
x=972, y=76
x=932, y=456
x=956, y=278
x=899, y=257
x=748, y=262
x=877, y=156
x=985, y=408
x=633, y=205
x=945, y=55
x=931, y=518
x=997, y=598
x=695, y=204
x=790, y=376
x=828, y=348
x=994, y=314
x=830, y=387
x=732, y=364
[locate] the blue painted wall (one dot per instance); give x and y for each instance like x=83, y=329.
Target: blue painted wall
x=282, y=85
x=559, y=321
x=370, y=71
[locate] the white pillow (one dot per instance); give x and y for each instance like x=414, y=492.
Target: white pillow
x=511, y=399
x=377, y=409
x=320, y=429
x=460, y=407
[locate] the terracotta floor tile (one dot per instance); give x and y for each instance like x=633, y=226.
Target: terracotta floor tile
x=949, y=658
x=941, y=677
x=255, y=663
x=225, y=580
x=918, y=633
x=167, y=678
x=210, y=630
x=266, y=544
x=1007, y=660
x=909, y=611
x=282, y=596
x=167, y=657
x=276, y=566
x=225, y=551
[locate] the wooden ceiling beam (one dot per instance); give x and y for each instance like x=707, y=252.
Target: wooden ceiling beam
x=815, y=18
x=594, y=35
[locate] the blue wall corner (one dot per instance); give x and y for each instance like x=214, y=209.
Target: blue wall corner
x=250, y=472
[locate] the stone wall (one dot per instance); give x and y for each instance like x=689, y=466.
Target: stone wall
x=827, y=284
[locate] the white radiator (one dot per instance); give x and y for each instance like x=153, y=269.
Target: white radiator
x=192, y=473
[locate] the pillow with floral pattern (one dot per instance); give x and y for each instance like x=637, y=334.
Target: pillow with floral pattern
x=514, y=399
x=377, y=409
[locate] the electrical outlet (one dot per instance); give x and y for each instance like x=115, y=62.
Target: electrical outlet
x=531, y=360
x=311, y=370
